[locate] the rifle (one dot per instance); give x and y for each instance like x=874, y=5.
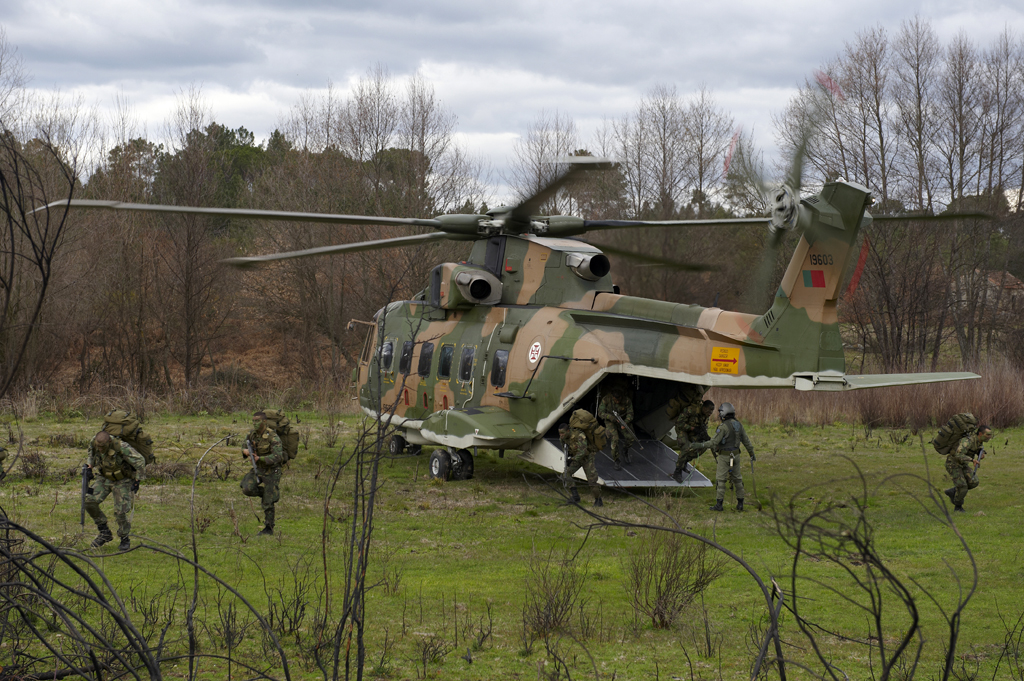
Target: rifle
x=86, y=477
x=627, y=428
x=252, y=460
x=977, y=462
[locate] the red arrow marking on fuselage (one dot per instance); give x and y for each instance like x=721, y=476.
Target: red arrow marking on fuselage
x=725, y=360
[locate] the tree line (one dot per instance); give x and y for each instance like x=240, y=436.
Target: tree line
x=141, y=301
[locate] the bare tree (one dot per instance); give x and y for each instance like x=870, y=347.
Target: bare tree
x=709, y=130
x=550, y=137
x=196, y=301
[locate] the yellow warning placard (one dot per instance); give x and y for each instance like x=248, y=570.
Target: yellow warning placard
x=725, y=360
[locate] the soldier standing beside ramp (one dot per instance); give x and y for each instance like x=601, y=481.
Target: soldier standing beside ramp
x=726, y=447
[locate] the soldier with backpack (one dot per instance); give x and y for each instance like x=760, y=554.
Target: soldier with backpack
x=127, y=427
x=961, y=465
x=266, y=453
x=115, y=466
x=582, y=439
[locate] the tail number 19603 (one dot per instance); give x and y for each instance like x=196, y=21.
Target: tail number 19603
x=822, y=259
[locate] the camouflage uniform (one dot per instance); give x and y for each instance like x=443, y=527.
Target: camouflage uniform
x=115, y=471
x=579, y=454
x=270, y=457
x=726, y=447
x=617, y=401
x=691, y=428
x=959, y=465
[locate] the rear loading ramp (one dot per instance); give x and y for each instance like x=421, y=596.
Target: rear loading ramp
x=651, y=466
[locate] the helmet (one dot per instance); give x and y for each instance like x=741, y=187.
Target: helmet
x=726, y=411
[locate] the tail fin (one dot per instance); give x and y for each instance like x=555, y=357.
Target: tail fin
x=802, y=318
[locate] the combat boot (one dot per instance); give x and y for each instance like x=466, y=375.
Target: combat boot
x=677, y=475
x=574, y=497
x=616, y=465
x=739, y=505
x=717, y=507
x=959, y=509
x=598, y=502
x=125, y=544
x=268, y=531
x=103, y=537
x=951, y=493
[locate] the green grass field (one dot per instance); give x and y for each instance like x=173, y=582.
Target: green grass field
x=450, y=562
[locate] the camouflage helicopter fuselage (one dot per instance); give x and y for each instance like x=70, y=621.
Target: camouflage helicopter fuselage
x=498, y=366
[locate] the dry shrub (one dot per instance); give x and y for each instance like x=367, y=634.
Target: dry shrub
x=33, y=465
x=665, y=573
x=554, y=592
x=171, y=470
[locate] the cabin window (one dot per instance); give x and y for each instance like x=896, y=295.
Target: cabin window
x=426, y=357
x=405, y=363
x=466, y=364
x=444, y=362
x=498, y=368
x=387, y=355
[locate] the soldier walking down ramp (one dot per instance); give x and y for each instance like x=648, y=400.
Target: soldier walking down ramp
x=580, y=450
x=961, y=465
x=116, y=467
x=267, y=456
x=616, y=411
x=726, y=447
x=691, y=428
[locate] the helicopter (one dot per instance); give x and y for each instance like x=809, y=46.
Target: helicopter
x=498, y=350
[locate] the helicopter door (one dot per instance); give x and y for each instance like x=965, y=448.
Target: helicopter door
x=466, y=383
x=376, y=369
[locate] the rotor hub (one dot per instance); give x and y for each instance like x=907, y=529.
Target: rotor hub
x=785, y=212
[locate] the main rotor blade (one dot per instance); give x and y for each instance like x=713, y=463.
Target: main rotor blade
x=578, y=166
x=930, y=218
x=249, y=261
x=245, y=213
x=655, y=260
x=590, y=225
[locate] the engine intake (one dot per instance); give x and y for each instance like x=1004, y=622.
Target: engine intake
x=589, y=266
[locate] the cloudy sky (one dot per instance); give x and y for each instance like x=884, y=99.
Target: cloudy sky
x=496, y=67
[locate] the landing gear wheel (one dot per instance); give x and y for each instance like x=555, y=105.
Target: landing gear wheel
x=397, y=445
x=440, y=465
x=464, y=468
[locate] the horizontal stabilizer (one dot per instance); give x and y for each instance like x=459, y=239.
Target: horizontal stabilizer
x=888, y=380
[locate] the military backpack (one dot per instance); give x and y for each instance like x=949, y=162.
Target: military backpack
x=585, y=421
x=125, y=425
x=688, y=394
x=288, y=433
x=955, y=429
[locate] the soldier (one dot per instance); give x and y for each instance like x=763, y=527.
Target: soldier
x=691, y=427
x=579, y=453
x=616, y=410
x=726, y=447
x=269, y=457
x=116, y=467
x=971, y=450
